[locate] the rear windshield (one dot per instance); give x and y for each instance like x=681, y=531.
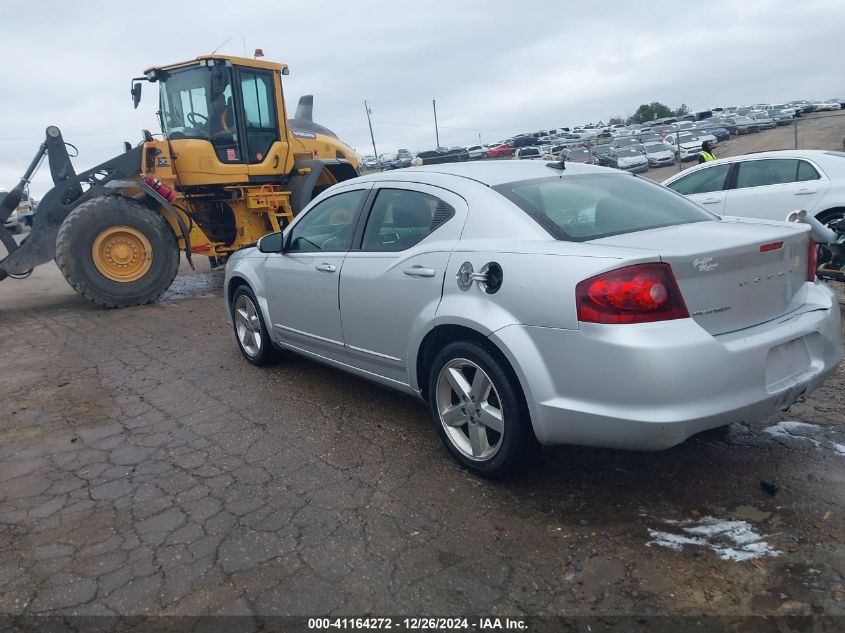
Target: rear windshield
x=591, y=206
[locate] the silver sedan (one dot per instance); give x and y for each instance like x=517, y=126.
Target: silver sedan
x=530, y=302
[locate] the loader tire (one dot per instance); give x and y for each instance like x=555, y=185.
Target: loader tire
x=116, y=252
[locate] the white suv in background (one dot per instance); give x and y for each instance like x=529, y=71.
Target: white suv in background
x=477, y=151
x=768, y=185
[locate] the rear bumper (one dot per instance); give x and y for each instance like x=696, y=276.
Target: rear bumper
x=651, y=386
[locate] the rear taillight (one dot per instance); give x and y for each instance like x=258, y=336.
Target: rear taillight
x=812, y=261
x=635, y=294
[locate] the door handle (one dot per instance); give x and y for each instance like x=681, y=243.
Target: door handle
x=711, y=200
x=420, y=271
x=326, y=268
x=804, y=191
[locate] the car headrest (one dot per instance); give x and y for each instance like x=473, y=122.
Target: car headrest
x=610, y=215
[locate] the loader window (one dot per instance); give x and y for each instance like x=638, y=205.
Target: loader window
x=259, y=112
x=194, y=107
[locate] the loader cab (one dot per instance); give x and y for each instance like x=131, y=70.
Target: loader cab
x=235, y=108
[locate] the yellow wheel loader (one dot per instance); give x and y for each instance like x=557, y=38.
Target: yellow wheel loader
x=228, y=168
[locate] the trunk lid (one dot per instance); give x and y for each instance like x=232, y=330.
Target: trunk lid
x=727, y=282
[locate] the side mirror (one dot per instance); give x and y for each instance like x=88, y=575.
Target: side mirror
x=136, y=94
x=271, y=243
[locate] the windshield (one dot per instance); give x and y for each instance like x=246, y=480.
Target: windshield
x=655, y=147
x=592, y=206
x=628, y=151
x=196, y=102
x=578, y=154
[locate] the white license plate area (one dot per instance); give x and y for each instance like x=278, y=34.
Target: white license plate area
x=785, y=362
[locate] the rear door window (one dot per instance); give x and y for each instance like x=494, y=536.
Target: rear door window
x=701, y=181
x=592, y=206
x=400, y=218
x=770, y=171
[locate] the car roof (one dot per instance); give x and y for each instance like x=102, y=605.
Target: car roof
x=490, y=173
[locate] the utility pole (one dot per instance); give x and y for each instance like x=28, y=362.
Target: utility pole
x=436, y=131
x=372, y=138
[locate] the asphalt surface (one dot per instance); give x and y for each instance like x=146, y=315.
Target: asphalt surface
x=146, y=468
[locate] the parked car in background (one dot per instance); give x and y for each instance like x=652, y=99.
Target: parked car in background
x=763, y=120
x=443, y=155
x=528, y=152
x=525, y=140
x=768, y=185
x=644, y=290
x=602, y=152
x=477, y=152
x=781, y=108
x=627, y=158
x=803, y=106
x=649, y=137
x=624, y=141
x=658, y=154
x=499, y=151
x=685, y=145
x=720, y=133
x=567, y=138
x=826, y=104
x=781, y=117
x=739, y=125
x=579, y=155
x=14, y=224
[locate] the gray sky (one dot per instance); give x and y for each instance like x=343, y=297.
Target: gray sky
x=496, y=67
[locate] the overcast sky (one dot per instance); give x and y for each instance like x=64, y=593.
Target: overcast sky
x=496, y=67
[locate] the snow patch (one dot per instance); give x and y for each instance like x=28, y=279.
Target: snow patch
x=839, y=449
x=792, y=429
x=730, y=540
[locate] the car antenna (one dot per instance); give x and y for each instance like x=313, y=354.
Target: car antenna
x=561, y=164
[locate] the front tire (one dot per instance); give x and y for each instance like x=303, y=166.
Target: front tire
x=479, y=409
x=117, y=252
x=250, y=331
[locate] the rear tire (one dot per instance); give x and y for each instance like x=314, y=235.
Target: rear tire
x=116, y=252
x=487, y=427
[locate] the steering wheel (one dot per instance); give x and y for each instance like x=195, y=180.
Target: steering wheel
x=193, y=116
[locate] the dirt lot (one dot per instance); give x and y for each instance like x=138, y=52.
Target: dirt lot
x=145, y=468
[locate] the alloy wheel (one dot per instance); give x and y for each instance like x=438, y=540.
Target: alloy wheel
x=470, y=409
x=247, y=325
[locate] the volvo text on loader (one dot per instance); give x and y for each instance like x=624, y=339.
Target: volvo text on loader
x=228, y=168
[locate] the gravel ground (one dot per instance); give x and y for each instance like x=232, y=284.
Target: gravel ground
x=145, y=468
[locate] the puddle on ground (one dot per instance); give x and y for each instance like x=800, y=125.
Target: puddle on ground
x=730, y=540
x=194, y=285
